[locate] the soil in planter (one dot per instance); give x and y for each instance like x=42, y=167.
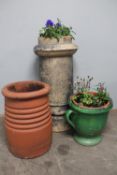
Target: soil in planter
x=90, y=107
x=30, y=87
x=79, y=96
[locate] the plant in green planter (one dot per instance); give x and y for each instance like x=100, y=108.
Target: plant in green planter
x=56, y=30
x=89, y=111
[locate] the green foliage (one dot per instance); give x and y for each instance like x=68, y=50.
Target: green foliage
x=87, y=99
x=84, y=94
x=57, y=30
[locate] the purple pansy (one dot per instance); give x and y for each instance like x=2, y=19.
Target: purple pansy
x=49, y=23
x=58, y=24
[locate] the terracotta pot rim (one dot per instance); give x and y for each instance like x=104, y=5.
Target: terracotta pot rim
x=26, y=95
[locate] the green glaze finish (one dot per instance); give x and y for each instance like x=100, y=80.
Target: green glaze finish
x=88, y=123
x=91, y=141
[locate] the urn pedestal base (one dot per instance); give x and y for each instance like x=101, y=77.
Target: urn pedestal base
x=59, y=124
x=58, y=118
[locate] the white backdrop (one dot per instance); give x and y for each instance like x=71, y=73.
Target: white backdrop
x=95, y=24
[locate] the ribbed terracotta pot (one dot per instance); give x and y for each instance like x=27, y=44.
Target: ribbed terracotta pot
x=28, y=121
x=56, y=69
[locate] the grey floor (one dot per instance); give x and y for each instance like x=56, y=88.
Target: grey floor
x=66, y=157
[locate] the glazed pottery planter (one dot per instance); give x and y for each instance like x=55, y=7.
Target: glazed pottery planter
x=88, y=123
x=28, y=121
x=56, y=68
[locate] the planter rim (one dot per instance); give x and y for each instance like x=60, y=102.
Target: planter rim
x=91, y=110
x=26, y=95
x=56, y=44
x=66, y=37
x=52, y=47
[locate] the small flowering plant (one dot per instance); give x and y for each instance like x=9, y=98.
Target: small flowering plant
x=88, y=97
x=56, y=30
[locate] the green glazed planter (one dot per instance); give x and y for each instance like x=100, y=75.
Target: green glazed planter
x=88, y=122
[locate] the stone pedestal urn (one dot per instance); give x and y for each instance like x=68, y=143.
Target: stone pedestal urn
x=56, y=69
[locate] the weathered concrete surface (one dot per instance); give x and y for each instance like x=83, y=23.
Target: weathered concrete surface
x=66, y=157
x=56, y=69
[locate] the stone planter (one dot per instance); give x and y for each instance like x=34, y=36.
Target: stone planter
x=28, y=121
x=56, y=69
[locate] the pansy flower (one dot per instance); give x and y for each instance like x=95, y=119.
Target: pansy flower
x=49, y=23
